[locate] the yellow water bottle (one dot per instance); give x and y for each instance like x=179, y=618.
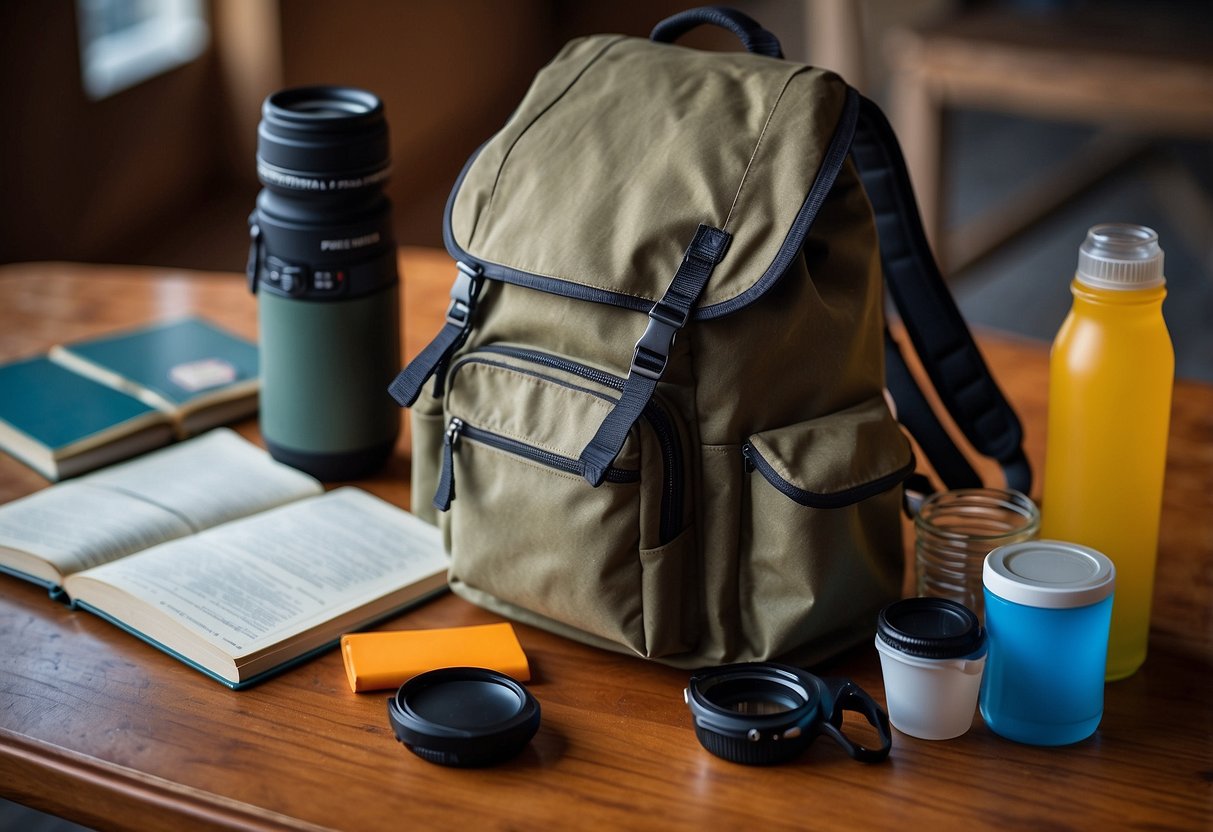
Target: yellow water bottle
x=1110, y=378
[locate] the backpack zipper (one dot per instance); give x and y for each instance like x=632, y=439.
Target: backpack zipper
x=752, y=460
x=658, y=418
x=656, y=415
x=457, y=429
x=535, y=356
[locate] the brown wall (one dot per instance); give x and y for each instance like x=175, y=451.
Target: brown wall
x=81, y=178
x=449, y=73
x=164, y=172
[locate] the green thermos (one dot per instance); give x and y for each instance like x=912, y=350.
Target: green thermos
x=322, y=261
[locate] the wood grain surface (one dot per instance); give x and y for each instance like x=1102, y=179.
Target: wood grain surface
x=104, y=730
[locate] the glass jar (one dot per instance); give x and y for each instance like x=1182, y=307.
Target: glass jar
x=955, y=530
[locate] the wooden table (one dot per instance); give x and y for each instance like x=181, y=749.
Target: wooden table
x=102, y=729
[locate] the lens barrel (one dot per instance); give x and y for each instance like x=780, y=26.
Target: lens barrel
x=323, y=263
x=763, y=713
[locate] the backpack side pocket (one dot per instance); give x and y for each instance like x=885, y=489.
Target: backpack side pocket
x=820, y=534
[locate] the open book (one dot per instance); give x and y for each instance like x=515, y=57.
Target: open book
x=88, y=403
x=220, y=556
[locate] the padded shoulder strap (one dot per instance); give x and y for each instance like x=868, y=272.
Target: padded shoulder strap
x=935, y=326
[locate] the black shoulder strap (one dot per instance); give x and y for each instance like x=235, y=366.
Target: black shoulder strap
x=935, y=326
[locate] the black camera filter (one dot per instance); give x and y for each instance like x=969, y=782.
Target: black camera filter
x=463, y=716
x=930, y=628
x=762, y=713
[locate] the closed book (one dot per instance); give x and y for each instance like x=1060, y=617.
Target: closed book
x=61, y=423
x=190, y=369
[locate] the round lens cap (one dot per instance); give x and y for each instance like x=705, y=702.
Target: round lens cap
x=463, y=716
x=930, y=628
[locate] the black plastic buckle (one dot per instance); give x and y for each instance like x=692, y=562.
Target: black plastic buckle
x=463, y=294
x=653, y=349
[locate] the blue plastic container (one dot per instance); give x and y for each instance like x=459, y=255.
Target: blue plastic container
x=1048, y=610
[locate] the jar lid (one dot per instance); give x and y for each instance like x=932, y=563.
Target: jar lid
x=1049, y=573
x=930, y=628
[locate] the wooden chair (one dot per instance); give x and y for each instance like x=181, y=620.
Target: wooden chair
x=1136, y=74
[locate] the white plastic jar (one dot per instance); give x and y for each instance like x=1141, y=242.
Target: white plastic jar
x=932, y=652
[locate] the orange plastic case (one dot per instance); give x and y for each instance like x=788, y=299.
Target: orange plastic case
x=375, y=661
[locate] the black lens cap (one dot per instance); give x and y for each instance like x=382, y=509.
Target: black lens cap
x=930, y=628
x=463, y=716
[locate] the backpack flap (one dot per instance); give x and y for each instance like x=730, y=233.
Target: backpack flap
x=623, y=148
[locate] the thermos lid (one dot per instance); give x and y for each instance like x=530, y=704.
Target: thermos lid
x=1049, y=573
x=930, y=628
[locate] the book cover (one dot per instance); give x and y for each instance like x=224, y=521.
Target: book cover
x=182, y=368
x=61, y=423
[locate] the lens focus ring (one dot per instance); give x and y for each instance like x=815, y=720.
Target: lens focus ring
x=322, y=139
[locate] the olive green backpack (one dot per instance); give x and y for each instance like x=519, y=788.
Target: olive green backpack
x=655, y=418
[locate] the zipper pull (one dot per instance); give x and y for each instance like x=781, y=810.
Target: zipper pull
x=747, y=458
x=446, y=479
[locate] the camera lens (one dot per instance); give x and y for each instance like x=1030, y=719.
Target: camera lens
x=761, y=713
x=323, y=261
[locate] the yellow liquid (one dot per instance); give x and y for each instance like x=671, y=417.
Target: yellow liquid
x=1110, y=379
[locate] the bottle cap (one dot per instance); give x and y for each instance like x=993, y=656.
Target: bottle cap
x=1118, y=255
x=1050, y=574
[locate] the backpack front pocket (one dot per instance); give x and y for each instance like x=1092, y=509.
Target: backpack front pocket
x=821, y=529
x=529, y=537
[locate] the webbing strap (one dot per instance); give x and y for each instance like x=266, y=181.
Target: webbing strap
x=935, y=326
x=407, y=385
x=915, y=412
x=652, y=352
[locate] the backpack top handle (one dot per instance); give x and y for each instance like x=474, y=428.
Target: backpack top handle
x=755, y=38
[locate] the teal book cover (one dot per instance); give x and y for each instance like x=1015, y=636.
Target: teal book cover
x=175, y=366
x=55, y=420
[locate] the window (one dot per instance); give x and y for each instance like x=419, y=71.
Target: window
x=124, y=42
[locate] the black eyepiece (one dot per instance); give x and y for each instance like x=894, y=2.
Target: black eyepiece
x=322, y=102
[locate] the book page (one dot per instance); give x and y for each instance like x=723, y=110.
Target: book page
x=245, y=585
x=209, y=480
x=164, y=495
x=73, y=526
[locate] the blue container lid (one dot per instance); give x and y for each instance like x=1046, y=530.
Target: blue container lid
x=1049, y=573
